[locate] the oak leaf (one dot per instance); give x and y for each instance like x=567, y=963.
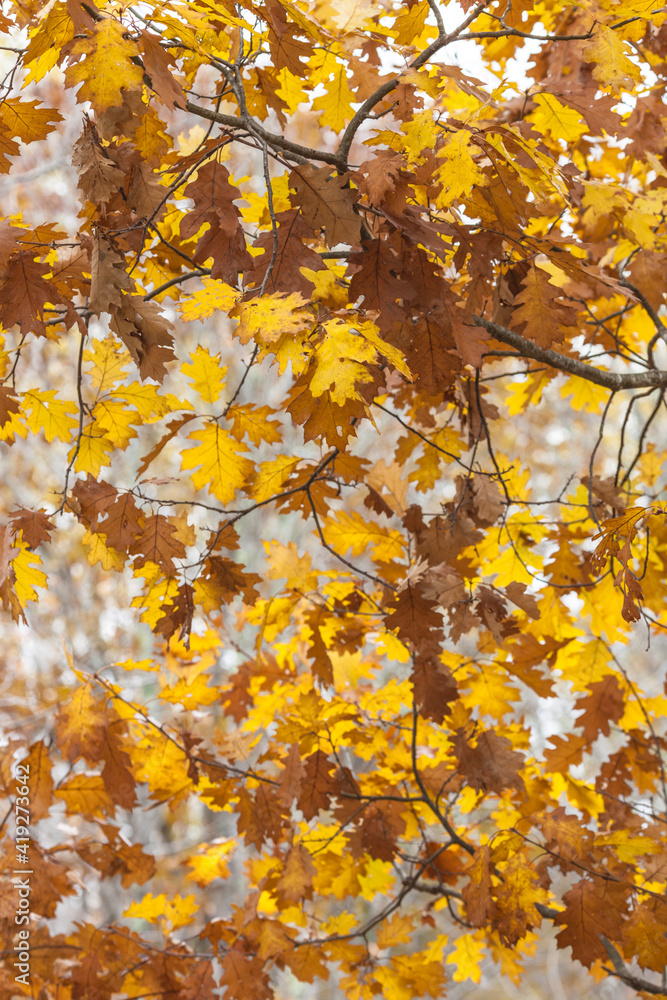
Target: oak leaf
x=326, y=202
x=318, y=786
x=106, y=67
x=490, y=765
x=282, y=271
x=601, y=707
x=592, y=909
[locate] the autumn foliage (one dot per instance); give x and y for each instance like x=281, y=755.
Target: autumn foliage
x=345, y=366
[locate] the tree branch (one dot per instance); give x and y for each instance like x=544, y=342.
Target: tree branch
x=292, y=149
x=387, y=87
x=573, y=366
x=623, y=973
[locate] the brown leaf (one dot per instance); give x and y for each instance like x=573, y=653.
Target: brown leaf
x=80, y=725
x=224, y=240
x=9, y=405
x=538, y=312
x=566, y=838
x=291, y=777
x=515, y=899
x=146, y=334
x=318, y=786
x=373, y=276
x=157, y=63
x=25, y=294
x=99, y=177
x=41, y=782
x=527, y=654
x=292, y=254
x=244, y=977
x=296, y=881
x=517, y=595
x=116, y=773
x=260, y=816
x=226, y=579
x=122, y=522
x=326, y=202
x=412, y=615
x=644, y=936
x=491, y=765
x=567, y=752
x=488, y=500
x=379, y=830
x=94, y=497
x=378, y=177
x=158, y=543
x=35, y=525
x=199, y=984
x=592, y=908
x=178, y=615
x=434, y=687
x=602, y=706
x=317, y=619
x=109, y=277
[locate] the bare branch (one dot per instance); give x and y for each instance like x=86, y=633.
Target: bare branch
x=573, y=366
x=622, y=972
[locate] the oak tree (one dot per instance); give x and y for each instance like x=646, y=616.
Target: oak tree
x=342, y=359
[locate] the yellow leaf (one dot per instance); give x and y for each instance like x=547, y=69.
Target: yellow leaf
x=409, y=24
x=206, y=374
x=339, y=358
x=47, y=39
x=459, y=171
x=109, y=359
x=409, y=976
x=467, y=957
x=556, y=119
x=377, y=879
x=210, y=862
x=190, y=694
x=27, y=576
x=352, y=531
x=158, y=596
x=525, y=390
x=26, y=121
x=46, y=413
x=578, y=793
x=611, y=66
x=85, y=794
x=163, y=765
x=268, y=318
x=398, y=930
x=341, y=923
x=116, y=421
x=627, y=847
x=106, y=68
x=222, y=467
x=255, y=422
x=290, y=90
x=175, y=912
x=421, y=133
x=585, y=395
x=94, y=451
x=214, y=297
x=147, y=401
x=285, y=563
x=98, y=552
x=335, y=104
x=271, y=476
x=370, y=332
x=650, y=465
